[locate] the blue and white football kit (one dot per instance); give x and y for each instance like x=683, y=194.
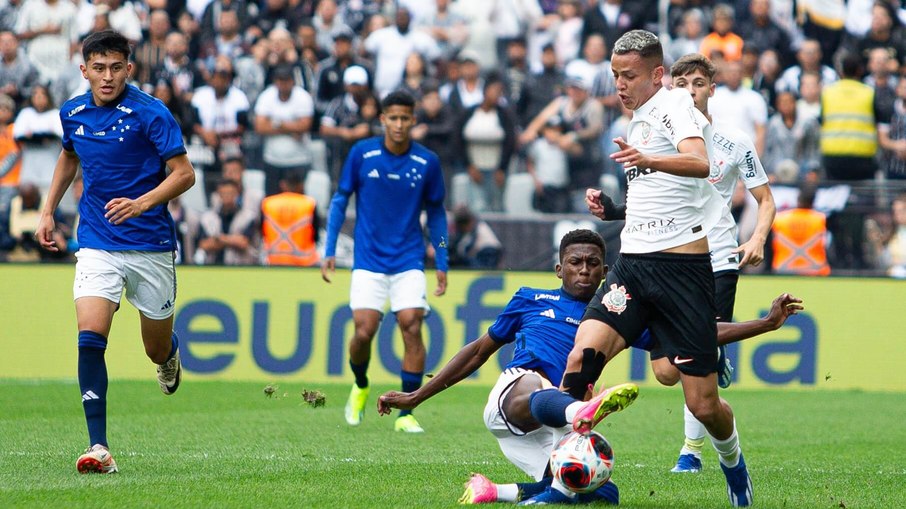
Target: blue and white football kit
x=123, y=148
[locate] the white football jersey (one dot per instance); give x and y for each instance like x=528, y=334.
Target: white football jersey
x=733, y=157
x=664, y=211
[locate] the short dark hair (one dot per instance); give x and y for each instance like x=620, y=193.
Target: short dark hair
x=582, y=237
x=234, y=159
x=105, y=42
x=691, y=63
x=398, y=98
x=228, y=182
x=643, y=42
x=806, y=199
x=850, y=65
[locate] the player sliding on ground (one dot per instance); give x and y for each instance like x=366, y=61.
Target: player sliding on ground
x=124, y=140
x=546, y=320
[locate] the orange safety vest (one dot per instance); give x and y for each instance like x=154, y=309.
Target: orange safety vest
x=289, y=235
x=8, y=146
x=799, y=243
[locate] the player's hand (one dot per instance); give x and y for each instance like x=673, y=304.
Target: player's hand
x=44, y=233
x=328, y=267
x=395, y=399
x=782, y=308
x=121, y=209
x=593, y=202
x=752, y=253
x=628, y=155
x=441, y=283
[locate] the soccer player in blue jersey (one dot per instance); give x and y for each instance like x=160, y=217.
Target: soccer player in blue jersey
x=542, y=324
x=133, y=162
x=394, y=179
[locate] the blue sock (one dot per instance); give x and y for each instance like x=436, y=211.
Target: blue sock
x=549, y=407
x=411, y=382
x=361, y=373
x=530, y=489
x=93, y=384
x=174, y=345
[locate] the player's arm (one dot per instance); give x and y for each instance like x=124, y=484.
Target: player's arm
x=782, y=308
x=691, y=161
x=753, y=249
x=336, y=214
x=180, y=179
x=437, y=228
x=602, y=206
x=63, y=174
x=464, y=363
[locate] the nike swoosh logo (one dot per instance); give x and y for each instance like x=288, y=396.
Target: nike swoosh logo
x=679, y=360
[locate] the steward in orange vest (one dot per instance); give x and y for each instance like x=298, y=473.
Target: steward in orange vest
x=289, y=223
x=799, y=239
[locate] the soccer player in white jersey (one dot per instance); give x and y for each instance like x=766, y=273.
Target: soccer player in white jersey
x=394, y=179
x=663, y=279
x=125, y=142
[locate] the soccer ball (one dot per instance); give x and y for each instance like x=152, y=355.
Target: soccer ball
x=582, y=463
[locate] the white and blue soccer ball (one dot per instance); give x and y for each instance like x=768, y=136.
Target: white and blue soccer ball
x=582, y=463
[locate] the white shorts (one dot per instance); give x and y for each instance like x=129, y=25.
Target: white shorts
x=529, y=451
x=370, y=290
x=149, y=279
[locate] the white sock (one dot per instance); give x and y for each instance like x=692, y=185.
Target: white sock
x=695, y=434
x=728, y=450
x=507, y=493
x=555, y=484
x=572, y=410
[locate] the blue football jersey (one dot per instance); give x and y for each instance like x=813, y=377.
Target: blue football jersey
x=543, y=325
x=123, y=147
x=391, y=191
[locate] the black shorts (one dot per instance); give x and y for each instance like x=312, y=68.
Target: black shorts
x=670, y=294
x=725, y=293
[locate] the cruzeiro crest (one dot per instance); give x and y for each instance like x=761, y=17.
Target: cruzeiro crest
x=616, y=299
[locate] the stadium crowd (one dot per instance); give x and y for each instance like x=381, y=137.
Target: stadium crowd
x=515, y=96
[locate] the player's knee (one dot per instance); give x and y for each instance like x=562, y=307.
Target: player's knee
x=665, y=374
x=705, y=411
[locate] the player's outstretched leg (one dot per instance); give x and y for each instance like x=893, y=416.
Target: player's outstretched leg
x=690, y=455
x=739, y=484
x=607, y=402
x=480, y=490
x=169, y=374
x=558, y=494
x=97, y=459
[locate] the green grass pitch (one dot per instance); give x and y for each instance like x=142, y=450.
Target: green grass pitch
x=218, y=444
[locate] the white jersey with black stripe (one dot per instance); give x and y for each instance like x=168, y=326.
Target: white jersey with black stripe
x=664, y=211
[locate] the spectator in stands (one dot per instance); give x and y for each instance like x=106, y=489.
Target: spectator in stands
x=283, y=116
x=473, y=244
x=227, y=42
x=208, y=25
x=150, y=53
x=766, y=75
x=510, y=19
x=122, y=17
x=742, y=106
x=290, y=225
x=10, y=166
x=809, y=58
x=181, y=111
x=822, y=21
x=49, y=26
x=886, y=32
x=566, y=32
x=221, y=111
x=309, y=50
x=435, y=126
x=390, y=47
x=880, y=78
x=893, y=251
x=488, y=134
x=548, y=164
x=762, y=32
x=516, y=73
x=800, y=239
x=328, y=24
x=449, y=29
x=229, y=232
x=342, y=115
x=542, y=87
x=892, y=136
x=595, y=66
x=177, y=67
x=791, y=137
x=251, y=70
x=283, y=52
x=249, y=197
x=848, y=124
x=17, y=74
x=722, y=38
x=9, y=13
x=809, y=103
x=330, y=71
x=608, y=18
x=582, y=120
x=25, y=211
x=186, y=222
x=276, y=14
x=466, y=92
x=187, y=25
x=39, y=130
x=415, y=74
x=690, y=35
